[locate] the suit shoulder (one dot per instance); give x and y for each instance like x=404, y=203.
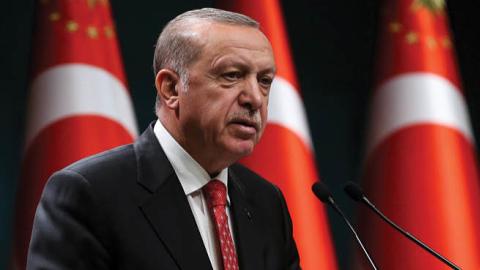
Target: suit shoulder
x=108, y=176
x=116, y=159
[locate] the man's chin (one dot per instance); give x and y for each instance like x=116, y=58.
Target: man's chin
x=242, y=148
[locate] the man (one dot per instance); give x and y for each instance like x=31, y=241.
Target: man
x=161, y=203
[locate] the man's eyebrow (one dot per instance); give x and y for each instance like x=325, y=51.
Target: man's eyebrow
x=239, y=63
x=220, y=64
x=272, y=70
x=228, y=61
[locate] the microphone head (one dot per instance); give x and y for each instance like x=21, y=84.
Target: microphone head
x=321, y=191
x=354, y=191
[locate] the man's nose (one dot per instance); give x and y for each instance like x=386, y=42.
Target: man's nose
x=251, y=95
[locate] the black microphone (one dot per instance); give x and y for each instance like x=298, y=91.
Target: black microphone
x=321, y=191
x=356, y=193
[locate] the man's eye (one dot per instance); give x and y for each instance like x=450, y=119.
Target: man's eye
x=232, y=76
x=266, y=81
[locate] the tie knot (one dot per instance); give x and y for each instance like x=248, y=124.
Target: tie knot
x=215, y=193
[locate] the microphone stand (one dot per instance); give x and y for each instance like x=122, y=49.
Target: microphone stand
x=321, y=191
x=356, y=193
x=409, y=235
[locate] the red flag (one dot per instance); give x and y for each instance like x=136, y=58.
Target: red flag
x=285, y=153
x=420, y=166
x=78, y=102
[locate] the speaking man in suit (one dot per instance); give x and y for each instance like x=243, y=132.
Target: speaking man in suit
x=176, y=198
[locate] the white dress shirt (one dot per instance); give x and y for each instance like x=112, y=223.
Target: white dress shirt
x=192, y=178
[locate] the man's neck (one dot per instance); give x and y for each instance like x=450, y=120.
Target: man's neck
x=210, y=162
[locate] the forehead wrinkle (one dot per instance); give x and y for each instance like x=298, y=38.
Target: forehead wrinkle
x=241, y=62
x=231, y=41
x=216, y=47
x=228, y=50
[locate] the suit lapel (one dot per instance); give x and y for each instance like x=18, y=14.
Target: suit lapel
x=248, y=237
x=167, y=209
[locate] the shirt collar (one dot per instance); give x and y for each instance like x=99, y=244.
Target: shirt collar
x=192, y=175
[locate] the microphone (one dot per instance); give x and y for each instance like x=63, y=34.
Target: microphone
x=321, y=191
x=356, y=193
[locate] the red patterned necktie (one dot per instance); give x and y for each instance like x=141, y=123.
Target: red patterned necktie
x=216, y=195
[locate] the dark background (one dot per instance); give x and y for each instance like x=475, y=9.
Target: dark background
x=333, y=45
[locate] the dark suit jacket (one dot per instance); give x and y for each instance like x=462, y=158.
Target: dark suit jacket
x=125, y=209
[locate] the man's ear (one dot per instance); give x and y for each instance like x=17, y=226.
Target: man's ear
x=166, y=83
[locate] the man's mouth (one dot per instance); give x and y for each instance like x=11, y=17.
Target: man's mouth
x=247, y=123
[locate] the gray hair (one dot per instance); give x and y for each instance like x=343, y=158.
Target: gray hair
x=176, y=51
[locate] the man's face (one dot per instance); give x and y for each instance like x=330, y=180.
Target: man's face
x=224, y=110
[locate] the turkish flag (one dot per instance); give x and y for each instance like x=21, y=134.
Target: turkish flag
x=78, y=104
x=420, y=166
x=285, y=154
